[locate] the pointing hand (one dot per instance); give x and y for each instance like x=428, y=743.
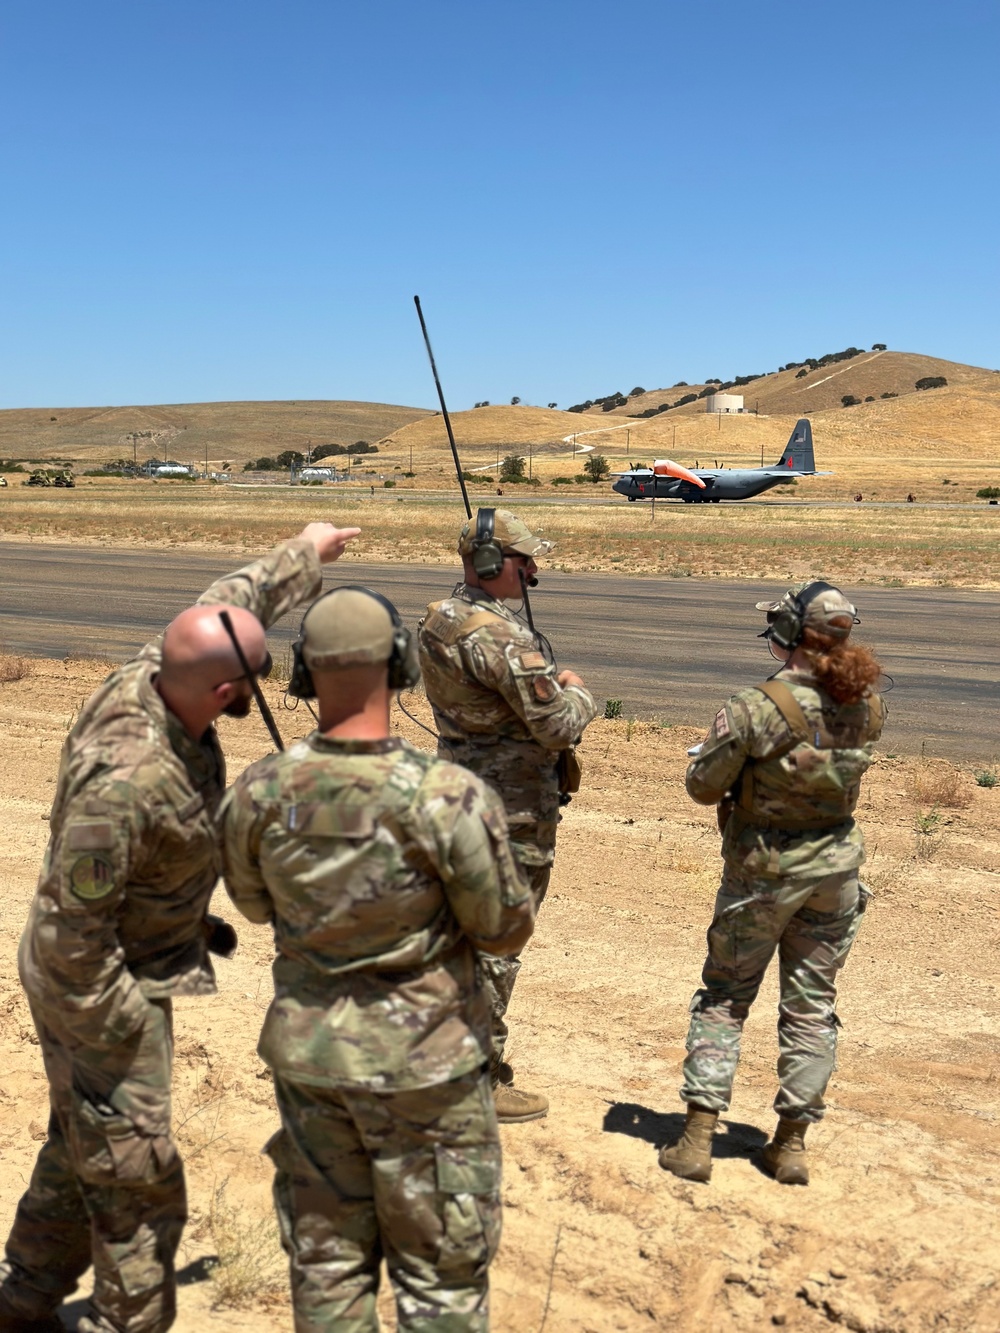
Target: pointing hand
x=328, y=540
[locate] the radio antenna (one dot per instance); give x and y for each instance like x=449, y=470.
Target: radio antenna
x=444, y=410
x=251, y=676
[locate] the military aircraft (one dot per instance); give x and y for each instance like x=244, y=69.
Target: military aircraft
x=667, y=480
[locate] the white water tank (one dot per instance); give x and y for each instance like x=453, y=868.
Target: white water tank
x=724, y=402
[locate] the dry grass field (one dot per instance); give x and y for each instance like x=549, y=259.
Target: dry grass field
x=224, y=432
x=915, y=545
x=897, y=1232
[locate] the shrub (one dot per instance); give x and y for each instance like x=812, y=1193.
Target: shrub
x=688, y=398
x=363, y=447
x=484, y=403
x=878, y=347
x=849, y=400
x=470, y=476
x=581, y=407
x=552, y=404
x=562, y=481
x=988, y=493
x=800, y=373
x=409, y=474
x=596, y=467
x=612, y=708
x=514, y=401
x=637, y=391
x=248, y=1258
x=988, y=777
x=512, y=468
x=681, y=384
x=388, y=483
x=890, y=395
x=931, y=382
x=936, y=783
x=14, y=668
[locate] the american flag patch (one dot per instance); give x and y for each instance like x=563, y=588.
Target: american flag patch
x=721, y=723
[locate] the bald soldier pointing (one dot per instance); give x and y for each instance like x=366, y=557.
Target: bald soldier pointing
x=119, y=926
x=504, y=712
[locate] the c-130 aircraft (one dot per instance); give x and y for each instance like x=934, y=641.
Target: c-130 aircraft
x=667, y=480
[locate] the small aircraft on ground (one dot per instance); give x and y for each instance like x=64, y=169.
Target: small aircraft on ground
x=667, y=480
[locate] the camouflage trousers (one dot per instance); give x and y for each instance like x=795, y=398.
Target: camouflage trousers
x=812, y=925
x=107, y=1188
x=498, y=975
x=412, y=1177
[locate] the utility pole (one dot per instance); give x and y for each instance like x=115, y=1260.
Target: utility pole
x=628, y=451
x=411, y=455
x=529, y=459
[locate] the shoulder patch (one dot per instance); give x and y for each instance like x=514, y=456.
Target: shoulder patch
x=545, y=688
x=532, y=662
x=90, y=835
x=722, y=727
x=92, y=877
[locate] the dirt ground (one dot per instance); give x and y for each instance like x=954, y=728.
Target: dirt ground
x=895, y=1235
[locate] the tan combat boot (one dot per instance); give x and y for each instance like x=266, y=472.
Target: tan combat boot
x=514, y=1106
x=785, y=1157
x=691, y=1156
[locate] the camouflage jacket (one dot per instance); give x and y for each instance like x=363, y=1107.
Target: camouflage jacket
x=500, y=711
x=380, y=868
x=133, y=856
x=794, y=802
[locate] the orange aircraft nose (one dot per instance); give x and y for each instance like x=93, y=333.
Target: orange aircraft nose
x=666, y=467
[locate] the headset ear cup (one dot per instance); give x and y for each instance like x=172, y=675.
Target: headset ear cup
x=404, y=665
x=487, y=560
x=300, y=684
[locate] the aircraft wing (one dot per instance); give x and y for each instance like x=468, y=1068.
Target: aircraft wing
x=788, y=472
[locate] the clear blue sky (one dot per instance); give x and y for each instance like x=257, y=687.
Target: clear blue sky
x=222, y=200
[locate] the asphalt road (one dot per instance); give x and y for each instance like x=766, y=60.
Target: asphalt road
x=668, y=648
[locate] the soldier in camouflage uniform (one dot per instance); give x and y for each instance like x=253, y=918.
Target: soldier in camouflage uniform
x=117, y=928
x=502, y=711
x=784, y=762
x=381, y=870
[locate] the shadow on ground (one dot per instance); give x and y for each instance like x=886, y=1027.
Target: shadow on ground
x=733, y=1139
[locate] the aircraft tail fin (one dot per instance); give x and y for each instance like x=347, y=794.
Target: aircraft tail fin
x=798, y=452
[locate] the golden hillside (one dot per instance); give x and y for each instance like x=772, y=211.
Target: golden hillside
x=870, y=374
x=232, y=432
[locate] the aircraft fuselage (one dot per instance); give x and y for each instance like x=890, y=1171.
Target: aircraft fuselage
x=727, y=484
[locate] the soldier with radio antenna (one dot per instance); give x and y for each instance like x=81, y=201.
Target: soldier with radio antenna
x=504, y=711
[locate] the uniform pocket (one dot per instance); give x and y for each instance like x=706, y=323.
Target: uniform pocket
x=107, y=1148
x=469, y=1177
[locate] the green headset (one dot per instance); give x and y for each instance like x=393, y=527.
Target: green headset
x=487, y=553
x=789, y=621
x=404, y=667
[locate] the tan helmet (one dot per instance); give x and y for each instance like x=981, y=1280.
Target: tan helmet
x=352, y=626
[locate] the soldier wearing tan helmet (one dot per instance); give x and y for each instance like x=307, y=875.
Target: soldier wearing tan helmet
x=503, y=711
x=382, y=871
x=118, y=927
x=783, y=761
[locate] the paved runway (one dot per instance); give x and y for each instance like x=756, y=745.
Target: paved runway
x=669, y=648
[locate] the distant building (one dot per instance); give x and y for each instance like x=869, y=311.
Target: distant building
x=173, y=470
x=724, y=402
x=318, y=474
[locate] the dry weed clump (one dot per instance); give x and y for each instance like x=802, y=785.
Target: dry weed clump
x=936, y=784
x=14, y=668
x=248, y=1253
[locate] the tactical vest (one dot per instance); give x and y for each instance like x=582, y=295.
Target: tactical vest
x=812, y=779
